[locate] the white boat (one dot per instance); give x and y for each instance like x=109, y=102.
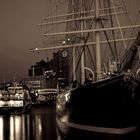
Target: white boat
x=45, y=96
x=15, y=100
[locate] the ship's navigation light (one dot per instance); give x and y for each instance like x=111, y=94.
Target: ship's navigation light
x=36, y=49
x=63, y=42
x=68, y=39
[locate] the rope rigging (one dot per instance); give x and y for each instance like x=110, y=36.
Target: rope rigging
x=78, y=7
x=130, y=55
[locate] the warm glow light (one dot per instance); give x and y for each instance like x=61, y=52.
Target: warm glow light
x=11, y=128
x=67, y=96
x=38, y=127
x=64, y=42
x=65, y=119
x=36, y=49
x=1, y=128
x=15, y=127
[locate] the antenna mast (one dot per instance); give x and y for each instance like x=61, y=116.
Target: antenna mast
x=97, y=36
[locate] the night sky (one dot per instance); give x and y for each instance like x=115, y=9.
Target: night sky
x=19, y=32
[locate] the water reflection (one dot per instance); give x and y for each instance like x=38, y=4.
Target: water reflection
x=13, y=128
x=39, y=125
x=1, y=128
x=17, y=126
x=43, y=127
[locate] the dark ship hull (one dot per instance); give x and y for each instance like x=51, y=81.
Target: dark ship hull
x=105, y=109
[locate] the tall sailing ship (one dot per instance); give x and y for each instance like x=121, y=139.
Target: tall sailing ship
x=101, y=100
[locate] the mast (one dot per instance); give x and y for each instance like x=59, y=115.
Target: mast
x=74, y=63
x=82, y=68
x=121, y=33
x=82, y=58
x=78, y=21
x=97, y=36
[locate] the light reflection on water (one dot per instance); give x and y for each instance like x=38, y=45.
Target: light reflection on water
x=1, y=128
x=12, y=128
x=38, y=125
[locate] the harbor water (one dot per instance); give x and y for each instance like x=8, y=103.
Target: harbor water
x=39, y=124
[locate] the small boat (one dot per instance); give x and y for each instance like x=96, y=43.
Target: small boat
x=15, y=100
x=44, y=96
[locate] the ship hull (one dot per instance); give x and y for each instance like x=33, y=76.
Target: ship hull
x=72, y=131
x=107, y=108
